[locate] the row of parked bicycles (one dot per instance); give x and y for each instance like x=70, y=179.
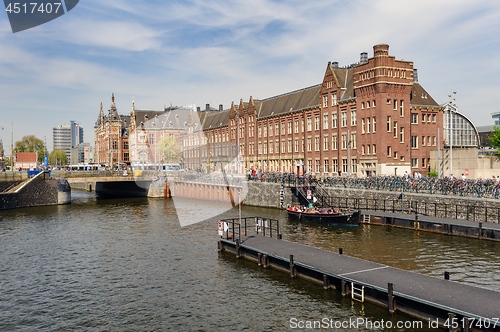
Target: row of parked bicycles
x=487, y=188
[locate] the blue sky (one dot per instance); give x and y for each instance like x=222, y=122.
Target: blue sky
x=197, y=52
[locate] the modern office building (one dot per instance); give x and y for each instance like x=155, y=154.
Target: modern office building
x=67, y=136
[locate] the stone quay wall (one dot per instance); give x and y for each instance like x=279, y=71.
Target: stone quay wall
x=443, y=206
x=37, y=191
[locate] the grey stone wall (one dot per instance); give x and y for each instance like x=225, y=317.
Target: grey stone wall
x=36, y=192
x=455, y=207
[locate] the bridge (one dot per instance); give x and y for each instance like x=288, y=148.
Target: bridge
x=117, y=184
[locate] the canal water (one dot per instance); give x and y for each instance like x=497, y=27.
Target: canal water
x=127, y=265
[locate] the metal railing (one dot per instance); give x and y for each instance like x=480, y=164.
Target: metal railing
x=472, y=212
x=234, y=228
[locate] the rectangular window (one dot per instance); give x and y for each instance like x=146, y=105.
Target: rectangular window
x=363, y=105
x=401, y=108
x=334, y=99
x=265, y=147
x=309, y=124
x=296, y=126
x=428, y=118
x=277, y=146
x=414, y=142
x=334, y=120
x=309, y=165
x=271, y=147
x=334, y=142
x=283, y=128
x=316, y=144
x=395, y=105
x=327, y=166
x=402, y=135
x=354, y=165
x=344, y=141
x=423, y=118
x=296, y=145
x=325, y=121
x=289, y=145
x=389, y=124
x=373, y=103
x=414, y=162
x=270, y=130
x=374, y=151
x=344, y=165
x=362, y=149
x=115, y=144
x=151, y=138
x=283, y=147
x=395, y=131
x=363, y=126
x=389, y=152
x=325, y=101
x=289, y=127
x=423, y=162
x=318, y=166
x=423, y=141
x=428, y=140
x=265, y=131
x=368, y=125
x=309, y=144
x=277, y=128
x=353, y=118
x=326, y=143
x=433, y=117
x=374, y=125
x=316, y=123
x=388, y=101
x=126, y=156
x=368, y=149
x=125, y=145
x=335, y=166
x=395, y=155
x=260, y=132
x=434, y=140
x=354, y=141
x=344, y=119
x=414, y=118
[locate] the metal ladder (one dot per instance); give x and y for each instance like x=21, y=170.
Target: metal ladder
x=358, y=294
x=366, y=218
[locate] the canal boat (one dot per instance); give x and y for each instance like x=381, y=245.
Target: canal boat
x=338, y=217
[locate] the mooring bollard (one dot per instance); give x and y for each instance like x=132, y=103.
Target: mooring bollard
x=446, y=275
x=341, y=251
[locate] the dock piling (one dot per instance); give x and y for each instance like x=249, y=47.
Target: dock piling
x=292, y=267
x=326, y=282
x=390, y=298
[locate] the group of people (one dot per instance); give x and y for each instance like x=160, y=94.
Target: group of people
x=313, y=209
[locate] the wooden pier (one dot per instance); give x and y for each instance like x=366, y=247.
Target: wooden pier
x=455, y=306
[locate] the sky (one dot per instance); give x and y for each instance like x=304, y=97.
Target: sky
x=159, y=53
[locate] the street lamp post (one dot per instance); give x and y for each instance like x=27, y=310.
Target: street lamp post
x=451, y=129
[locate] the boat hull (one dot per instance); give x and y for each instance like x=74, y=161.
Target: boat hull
x=350, y=218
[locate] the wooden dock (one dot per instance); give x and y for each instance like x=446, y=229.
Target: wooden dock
x=455, y=306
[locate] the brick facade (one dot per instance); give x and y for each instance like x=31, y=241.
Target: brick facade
x=371, y=118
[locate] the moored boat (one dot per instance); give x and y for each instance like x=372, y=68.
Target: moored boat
x=325, y=217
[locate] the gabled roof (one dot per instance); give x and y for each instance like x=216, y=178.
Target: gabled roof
x=29, y=157
x=288, y=102
x=420, y=97
x=176, y=119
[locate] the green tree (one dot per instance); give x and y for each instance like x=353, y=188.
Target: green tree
x=169, y=149
x=30, y=143
x=58, y=157
x=495, y=140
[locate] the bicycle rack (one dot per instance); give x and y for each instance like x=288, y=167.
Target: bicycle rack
x=358, y=294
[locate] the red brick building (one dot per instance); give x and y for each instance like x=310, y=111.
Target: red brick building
x=370, y=118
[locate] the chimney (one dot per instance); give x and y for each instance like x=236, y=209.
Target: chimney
x=207, y=107
x=335, y=64
x=363, y=57
x=415, y=75
x=221, y=108
x=198, y=109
